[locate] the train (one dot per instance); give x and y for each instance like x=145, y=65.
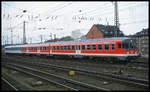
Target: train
x=122, y=48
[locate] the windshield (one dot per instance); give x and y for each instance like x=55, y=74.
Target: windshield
x=129, y=44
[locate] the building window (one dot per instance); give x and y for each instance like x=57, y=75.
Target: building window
x=100, y=47
x=83, y=47
x=94, y=47
x=106, y=46
x=112, y=46
x=88, y=47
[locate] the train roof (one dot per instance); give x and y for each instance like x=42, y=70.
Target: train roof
x=99, y=39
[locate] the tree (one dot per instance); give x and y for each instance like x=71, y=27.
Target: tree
x=67, y=38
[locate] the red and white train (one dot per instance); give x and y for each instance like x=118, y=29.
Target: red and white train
x=119, y=47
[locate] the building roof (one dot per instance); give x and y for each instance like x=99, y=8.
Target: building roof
x=108, y=30
x=144, y=32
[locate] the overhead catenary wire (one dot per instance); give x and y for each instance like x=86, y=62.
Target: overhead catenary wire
x=120, y=10
x=139, y=21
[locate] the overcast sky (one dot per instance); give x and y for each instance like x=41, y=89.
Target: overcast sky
x=61, y=18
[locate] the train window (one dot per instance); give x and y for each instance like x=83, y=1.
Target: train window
x=106, y=46
x=68, y=47
x=94, y=47
x=61, y=47
x=112, y=46
x=119, y=45
x=88, y=47
x=129, y=44
x=83, y=47
x=65, y=47
x=79, y=47
x=73, y=47
x=57, y=47
x=100, y=47
x=53, y=47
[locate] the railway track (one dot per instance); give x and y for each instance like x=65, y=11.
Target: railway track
x=71, y=84
x=128, y=70
x=141, y=83
x=138, y=63
x=10, y=86
x=125, y=80
x=132, y=65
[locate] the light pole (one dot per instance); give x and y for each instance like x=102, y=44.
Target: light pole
x=11, y=36
x=24, y=35
x=116, y=18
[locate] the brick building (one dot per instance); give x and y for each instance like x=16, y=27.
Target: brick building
x=102, y=31
x=142, y=40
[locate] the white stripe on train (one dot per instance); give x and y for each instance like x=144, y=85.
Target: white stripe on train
x=85, y=54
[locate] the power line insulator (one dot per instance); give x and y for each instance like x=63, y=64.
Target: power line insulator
x=24, y=11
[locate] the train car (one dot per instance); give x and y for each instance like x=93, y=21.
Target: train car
x=122, y=48
x=14, y=49
x=39, y=48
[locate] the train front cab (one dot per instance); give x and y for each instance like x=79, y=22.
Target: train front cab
x=130, y=50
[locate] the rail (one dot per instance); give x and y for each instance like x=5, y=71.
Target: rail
x=9, y=84
x=69, y=82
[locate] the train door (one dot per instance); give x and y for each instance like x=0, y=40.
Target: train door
x=78, y=51
x=38, y=49
x=50, y=49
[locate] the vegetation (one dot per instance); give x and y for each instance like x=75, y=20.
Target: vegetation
x=67, y=38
